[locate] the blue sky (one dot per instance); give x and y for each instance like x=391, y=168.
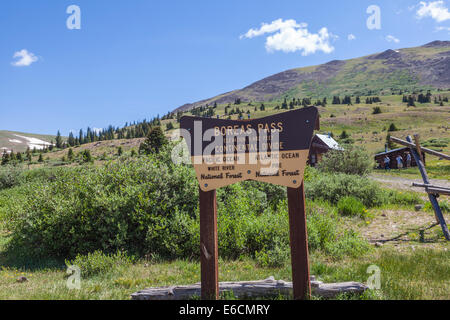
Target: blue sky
x=135, y=59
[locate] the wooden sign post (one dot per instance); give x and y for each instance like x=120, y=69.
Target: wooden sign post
x=208, y=245
x=273, y=150
x=299, y=243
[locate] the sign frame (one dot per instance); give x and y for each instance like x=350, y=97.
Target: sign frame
x=298, y=235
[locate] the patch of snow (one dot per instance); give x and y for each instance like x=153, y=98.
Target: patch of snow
x=35, y=143
x=15, y=141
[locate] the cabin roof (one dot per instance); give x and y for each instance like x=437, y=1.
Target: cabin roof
x=391, y=151
x=329, y=141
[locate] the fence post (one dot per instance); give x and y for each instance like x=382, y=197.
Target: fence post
x=432, y=197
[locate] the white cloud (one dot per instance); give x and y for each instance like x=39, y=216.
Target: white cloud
x=391, y=38
x=97, y=130
x=24, y=57
x=351, y=37
x=443, y=29
x=436, y=10
x=290, y=36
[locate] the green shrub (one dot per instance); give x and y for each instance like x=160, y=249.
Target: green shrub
x=350, y=206
x=9, y=176
x=349, y=244
x=376, y=110
x=333, y=187
x=273, y=258
x=147, y=206
x=352, y=160
x=98, y=263
x=402, y=198
x=116, y=207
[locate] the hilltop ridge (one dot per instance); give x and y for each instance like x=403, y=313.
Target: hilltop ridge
x=424, y=67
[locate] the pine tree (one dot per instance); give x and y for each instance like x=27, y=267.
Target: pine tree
x=59, y=142
x=344, y=135
x=5, y=158
x=71, y=140
x=392, y=128
x=28, y=153
x=70, y=154
x=154, y=141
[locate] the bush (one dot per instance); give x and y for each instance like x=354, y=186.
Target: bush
x=392, y=127
x=333, y=187
x=352, y=160
x=325, y=233
x=402, y=198
x=273, y=258
x=350, y=206
x=348, y=244
x=376, y=110
x=116, y=207
x=149, y=207
x=9, y=177
x=97, y=263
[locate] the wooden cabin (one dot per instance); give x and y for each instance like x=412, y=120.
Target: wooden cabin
x=392, y=154
x=320, y=145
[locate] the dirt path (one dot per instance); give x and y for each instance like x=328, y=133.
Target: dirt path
x=404, y=227
x=405, y=183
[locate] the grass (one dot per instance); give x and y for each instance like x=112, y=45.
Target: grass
x=402, y=276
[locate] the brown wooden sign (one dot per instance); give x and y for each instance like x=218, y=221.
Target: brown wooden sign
x=273, y=150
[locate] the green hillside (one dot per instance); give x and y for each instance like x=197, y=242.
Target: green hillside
x=390, y=72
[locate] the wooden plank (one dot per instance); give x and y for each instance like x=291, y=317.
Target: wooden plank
x=438, y=213
x=299, y=243
x=250, y=289
x=426, y=150
x=208, y=246
x=438, y=191
x=422, y=185
x=418, y=148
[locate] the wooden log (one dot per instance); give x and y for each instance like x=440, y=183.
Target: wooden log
x=250, y=289
x=426, y=150
x=433, y=189
x=438, y=191
x=418, y=147
x=423, y=185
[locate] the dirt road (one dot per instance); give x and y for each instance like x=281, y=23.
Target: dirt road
x=405, y=183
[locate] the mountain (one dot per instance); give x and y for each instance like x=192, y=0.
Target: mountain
x=391, y=71
x=18, y=141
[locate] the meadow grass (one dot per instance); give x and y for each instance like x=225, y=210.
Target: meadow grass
x=405, y=274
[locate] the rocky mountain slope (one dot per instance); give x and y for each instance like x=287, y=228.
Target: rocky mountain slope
x=392, y=71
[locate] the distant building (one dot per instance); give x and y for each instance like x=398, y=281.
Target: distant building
x=392, y=154
x=320, y=145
